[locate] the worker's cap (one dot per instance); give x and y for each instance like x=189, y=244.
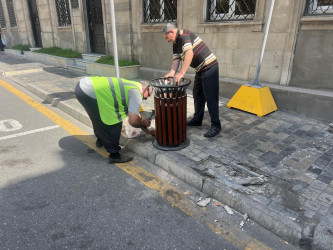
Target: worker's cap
x=146, y=89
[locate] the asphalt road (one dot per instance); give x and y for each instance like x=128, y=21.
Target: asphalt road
x=58, y=193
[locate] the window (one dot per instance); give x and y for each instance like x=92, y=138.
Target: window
x=319, y=7
x=156, y=11
x=2, y=17
x=11, y=13
x=230, y=9
x=63, y=12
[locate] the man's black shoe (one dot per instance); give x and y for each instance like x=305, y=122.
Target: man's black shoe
x=118, y=158
x=212, y=132
x=193, y=123
x=99, y=143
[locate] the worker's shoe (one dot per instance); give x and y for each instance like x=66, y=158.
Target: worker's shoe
x=99, y=143
x=118, y=158
x=193, y=123
x=212, y=132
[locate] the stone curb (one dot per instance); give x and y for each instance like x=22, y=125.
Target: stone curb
x=182, y=168
x=274, y=221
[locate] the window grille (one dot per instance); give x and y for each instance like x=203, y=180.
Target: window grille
x=2, y=17
x=157, y=11
x=11, y=13
x=218, y=10
x=63, y=12
x=319, y=7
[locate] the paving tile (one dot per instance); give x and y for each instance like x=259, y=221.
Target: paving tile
x=260, y=198
x=312, y=205
x=256, y=153
x=305, y=178
x=268, y=156
x=275, y=206
x=327, y=156
x=318, y=185
x=321, y=162
x=329, y=190
x=300, y=132
x=324, y=178
x=309, y=213
x=325, y=198
x=323, y=210
x=196, y=159
x=328, y=171
x=298, y=187
x=291, y=213
x=315, y=170
x=311, y=194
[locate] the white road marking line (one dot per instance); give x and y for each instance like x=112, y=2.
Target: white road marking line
x=28, y=132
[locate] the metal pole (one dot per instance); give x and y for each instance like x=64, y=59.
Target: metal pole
x=114, y=38
x=256, y=80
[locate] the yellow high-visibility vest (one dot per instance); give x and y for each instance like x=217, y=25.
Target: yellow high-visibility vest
x=112, y=97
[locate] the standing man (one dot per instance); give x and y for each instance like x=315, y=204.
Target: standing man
x=189, y=48
x=2, y=41
x=109, y=100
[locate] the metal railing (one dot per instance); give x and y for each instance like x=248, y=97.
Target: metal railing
x=11, y=13
x=219, y=10
x=63, y=13
x=158, y=11
x=2, y=17
x=319, y=7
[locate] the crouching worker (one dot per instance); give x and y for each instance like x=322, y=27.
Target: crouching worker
x=109, y=100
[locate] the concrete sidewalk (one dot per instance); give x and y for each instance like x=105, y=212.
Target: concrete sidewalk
x=290, y=157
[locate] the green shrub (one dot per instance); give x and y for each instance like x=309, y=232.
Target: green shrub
x=55, y=51
x=110, y=60
x=21, y=47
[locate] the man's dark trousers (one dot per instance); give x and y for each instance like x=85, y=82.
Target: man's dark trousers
x=108, y=134
x=2, y=46
x=206, y=89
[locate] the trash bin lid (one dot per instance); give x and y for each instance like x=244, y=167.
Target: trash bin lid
x=166, y=86
x=169, y=82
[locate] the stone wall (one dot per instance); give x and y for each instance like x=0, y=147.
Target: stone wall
x=20, y=34
x=313, y=62
x=79, y=29
x=236, y=43
x=46, y=10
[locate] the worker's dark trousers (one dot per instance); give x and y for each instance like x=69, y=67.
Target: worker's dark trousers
x=108, y=134
x=206, y=89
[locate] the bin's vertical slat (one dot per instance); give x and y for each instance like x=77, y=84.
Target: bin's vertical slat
x=169, y=120
x=164, y=131
x=180, y=119
x=175, y=130
x=158, y=119
x=184, y=117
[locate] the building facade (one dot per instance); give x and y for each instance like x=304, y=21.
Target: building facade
x=299, y=49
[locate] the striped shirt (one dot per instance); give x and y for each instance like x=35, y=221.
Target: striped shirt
x=203, y=58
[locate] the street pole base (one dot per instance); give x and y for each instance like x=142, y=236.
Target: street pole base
x=170, y=148
x=256, y=100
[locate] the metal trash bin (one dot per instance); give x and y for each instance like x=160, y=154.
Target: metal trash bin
x=170, y=102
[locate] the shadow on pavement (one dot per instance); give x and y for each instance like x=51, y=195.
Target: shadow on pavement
x=59, y=96
x=85, y=203
x=62, y=72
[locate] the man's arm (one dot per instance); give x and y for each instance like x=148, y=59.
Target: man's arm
x=174, y=68
x=186, y=64
x=137, y=122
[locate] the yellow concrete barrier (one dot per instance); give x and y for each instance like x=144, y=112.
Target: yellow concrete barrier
x=254, y=100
